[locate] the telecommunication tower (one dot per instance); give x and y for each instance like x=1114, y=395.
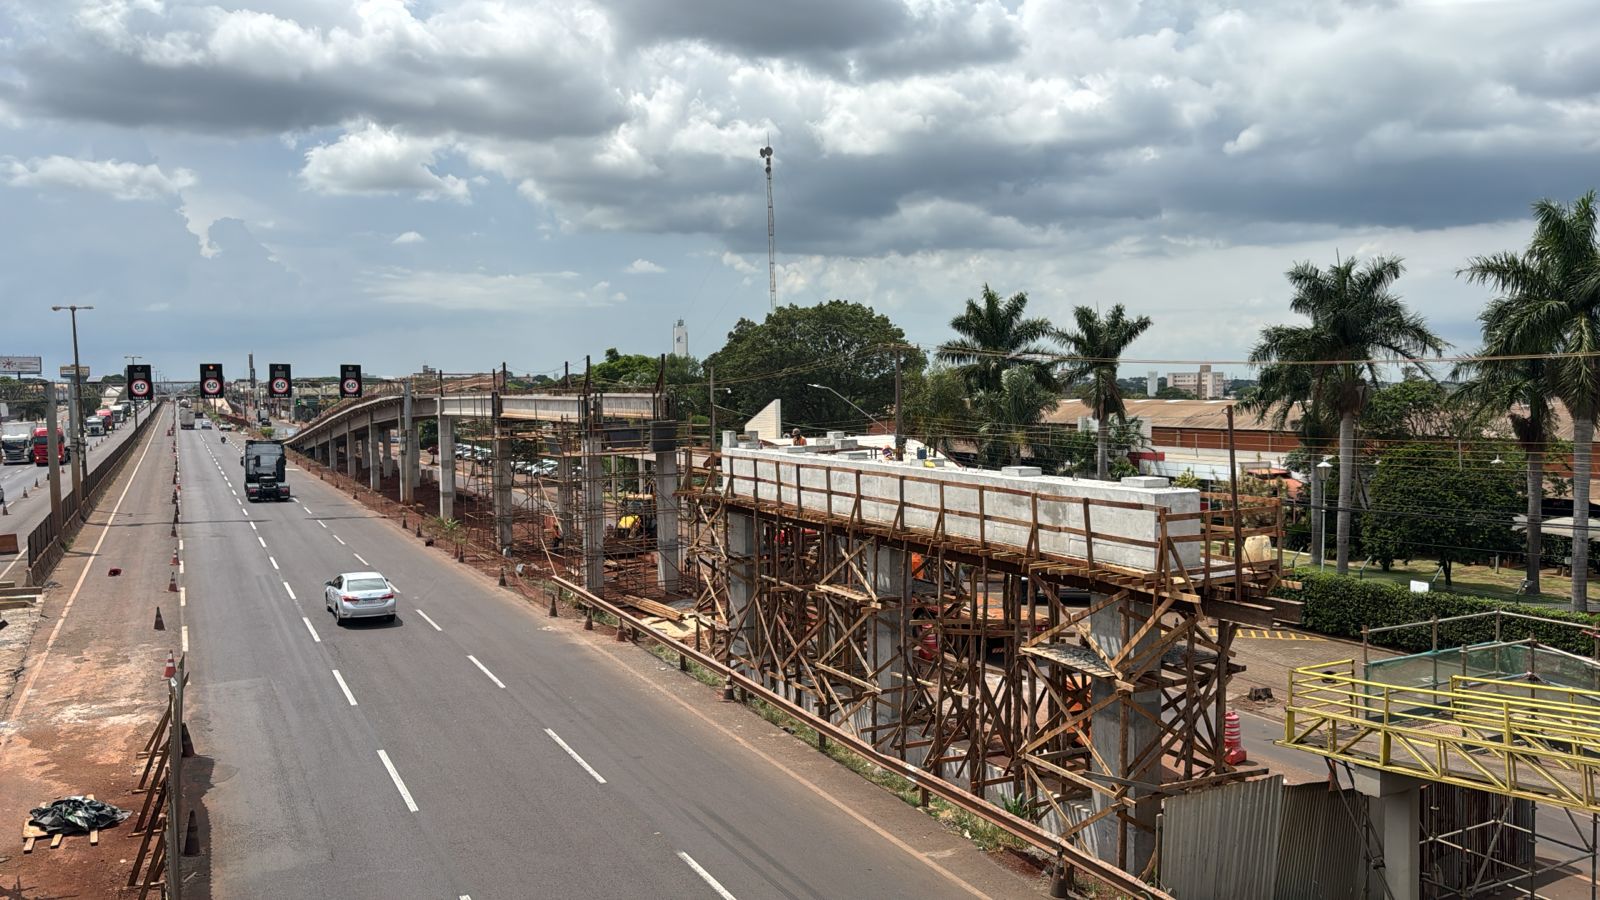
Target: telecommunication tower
x=772, y=246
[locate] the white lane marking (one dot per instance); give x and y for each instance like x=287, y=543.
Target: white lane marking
x=340, y=540
x=314, y=636
x=180, y=545
x=253, y=527
x=574, y=754
x=233, y=492
x=705, y=876
x=274, y=561
x=360, y=560
x=180, y=567
x=291, y=592
x=429, y=620
x=322, y=523
x=404, y=794
x=263, y=541
x=344, y=687
x=183, y=596
x=307, y=509
x=237, y=500
x=485, y=670
x=184, y=636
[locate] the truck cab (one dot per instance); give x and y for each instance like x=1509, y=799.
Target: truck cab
x=264, y=471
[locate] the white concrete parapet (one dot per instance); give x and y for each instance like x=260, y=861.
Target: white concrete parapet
x=1124, y=518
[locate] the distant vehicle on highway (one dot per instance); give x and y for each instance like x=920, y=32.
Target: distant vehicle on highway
x=186, y=418
x=264, y=471
x=359, y=595
x=41, y=447
x=225, y=425
x=205, y=424
x=16, y=447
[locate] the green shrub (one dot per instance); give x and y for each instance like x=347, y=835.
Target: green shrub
x=1339, y=606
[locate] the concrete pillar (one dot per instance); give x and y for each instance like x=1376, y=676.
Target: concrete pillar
x=408, y=446
x=890, y=639
x=447, y=467
x=1107, y=627
x=1397, y=813
x=669, y=552
x=500, y=488
x=374, y=466
x=349, y=448
x=741, y=580
x=594, y=520
x=566, y=496
x=386, y=447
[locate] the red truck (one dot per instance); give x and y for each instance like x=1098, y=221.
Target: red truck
x=41, y=447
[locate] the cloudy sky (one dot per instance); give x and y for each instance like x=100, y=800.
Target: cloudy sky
x=461, y=183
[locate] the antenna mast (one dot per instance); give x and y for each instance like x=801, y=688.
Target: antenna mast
x=772, y=246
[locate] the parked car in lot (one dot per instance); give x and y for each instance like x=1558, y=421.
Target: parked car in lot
x=359, y=595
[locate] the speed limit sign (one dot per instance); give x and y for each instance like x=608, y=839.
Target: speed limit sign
x=213, y=387
x=140, y=389
x=280, y=386
x=352, y=387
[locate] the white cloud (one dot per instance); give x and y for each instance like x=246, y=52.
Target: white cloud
x=379, y=160
x=409, y=237
x=643, y=267
x=122, y=180
x=476, y=291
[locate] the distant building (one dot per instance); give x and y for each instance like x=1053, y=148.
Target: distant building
x=1152, y=385
x=680, y=339
x=1204, y=384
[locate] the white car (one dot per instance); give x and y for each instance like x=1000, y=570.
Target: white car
x=205, y=423
x=359, y=595
x=225, y=426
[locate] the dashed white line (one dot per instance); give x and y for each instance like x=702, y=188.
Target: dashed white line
x=314, y=636
x=183, y=596
x=233, y=492
x=706, y=876
x=340, y=540
x=401, y=785
x=360, y=560
x=184, y=637
x=180, y=567
x=485, y=670
x=322, y=523
x=253, y=527
x=180, y=545
x=274, y=561
x=307, y=509
x=290, y=590
x=344, y=687
x=245, y=511
x=261, y=539
x=574, y=754
x=430, y=621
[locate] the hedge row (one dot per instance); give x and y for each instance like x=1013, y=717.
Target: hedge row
x=1339, y=605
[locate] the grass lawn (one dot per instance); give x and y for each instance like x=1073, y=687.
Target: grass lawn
x=1481, y=581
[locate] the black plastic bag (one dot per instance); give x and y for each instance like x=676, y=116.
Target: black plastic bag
x=76, y=815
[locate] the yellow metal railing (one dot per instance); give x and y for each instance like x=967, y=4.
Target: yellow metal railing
x=1540, y=742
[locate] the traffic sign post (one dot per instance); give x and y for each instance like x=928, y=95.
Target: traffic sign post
x=211, y=380
x=280, y=386
x=350, y=380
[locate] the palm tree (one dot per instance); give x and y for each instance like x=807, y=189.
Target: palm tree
x=1288, y=389
x=1011, y=414
x=1520, y=388
x=1550, y=303
x=1096, y=346
x=995, y=337
x=1356, y=319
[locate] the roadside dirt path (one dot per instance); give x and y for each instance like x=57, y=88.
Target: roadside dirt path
x=91, y=689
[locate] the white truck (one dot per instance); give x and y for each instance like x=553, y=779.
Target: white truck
x=186, y=418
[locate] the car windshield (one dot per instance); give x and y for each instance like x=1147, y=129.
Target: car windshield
x=366, y=584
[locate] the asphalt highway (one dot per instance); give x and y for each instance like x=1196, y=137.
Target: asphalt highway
x=25, y=515
x=468, y=750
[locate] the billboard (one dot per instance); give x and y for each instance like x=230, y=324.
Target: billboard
x=279, y=384
x=211, y=379
x=21, y=365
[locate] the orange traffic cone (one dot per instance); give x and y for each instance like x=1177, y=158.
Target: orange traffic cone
x=172, y=583
x=174, y=557
x=171, y=667
x=1232, y=740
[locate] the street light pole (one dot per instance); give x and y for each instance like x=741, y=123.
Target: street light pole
x=80, y=468
x=853, y=406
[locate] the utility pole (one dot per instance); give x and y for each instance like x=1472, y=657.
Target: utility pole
x=711, y=376
x=80, y=465
x=899, y=421
x=133, y=404
x=52, y=448
x=772, y=243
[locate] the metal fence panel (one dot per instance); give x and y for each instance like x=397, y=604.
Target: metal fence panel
x=1223, y=843
x=1321, y=854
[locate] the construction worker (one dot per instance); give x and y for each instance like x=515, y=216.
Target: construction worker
x=799, y=439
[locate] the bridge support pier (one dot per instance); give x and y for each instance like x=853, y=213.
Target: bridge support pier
x=669, y=549
x=594, y=517
x=374, y=467
x=504, y=502
x=349, y=449
x=1120, y=734
x=447, y=467
x=386, y=447
x=408, y=450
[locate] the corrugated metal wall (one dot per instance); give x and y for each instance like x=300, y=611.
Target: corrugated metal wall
x=1261, y=840
x=1222, y=844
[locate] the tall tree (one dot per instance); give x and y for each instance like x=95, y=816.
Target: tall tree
x=1290, y=389
x=1521, y=389
x=1012, y=414
x=996, y=336
x=1356, y=320
x=1096, y=345
x=842, y=345
x=1415, y=478
x=1550, y=303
